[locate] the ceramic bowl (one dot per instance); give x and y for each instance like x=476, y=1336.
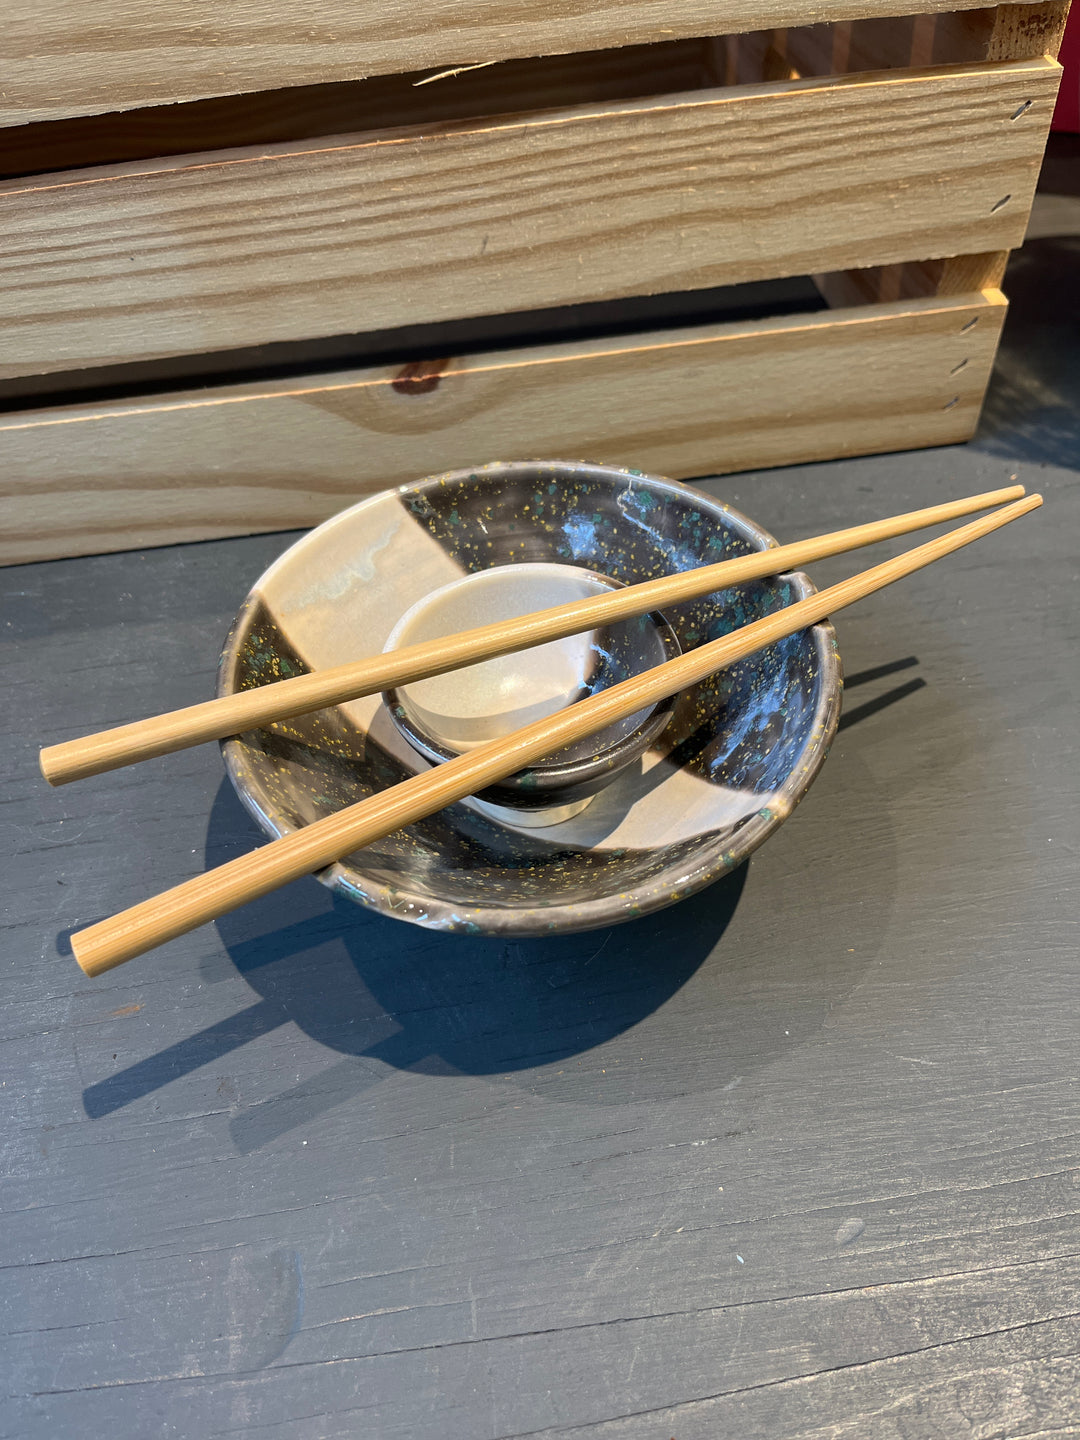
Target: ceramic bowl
x=449, y=714
x=739, y=751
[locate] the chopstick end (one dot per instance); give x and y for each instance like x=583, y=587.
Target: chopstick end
x=47, y=764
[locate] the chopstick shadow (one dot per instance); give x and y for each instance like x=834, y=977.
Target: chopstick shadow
x=879, y=672
x=880, y=702
x=386, y=994
x=203, y=1048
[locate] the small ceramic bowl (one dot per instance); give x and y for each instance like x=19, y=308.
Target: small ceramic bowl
x=736, y=756
x=445, y=715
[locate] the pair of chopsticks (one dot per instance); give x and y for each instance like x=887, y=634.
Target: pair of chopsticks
x=111, y=942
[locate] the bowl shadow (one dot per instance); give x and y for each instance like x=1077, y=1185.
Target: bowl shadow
x=385, y=993
x=382, y=993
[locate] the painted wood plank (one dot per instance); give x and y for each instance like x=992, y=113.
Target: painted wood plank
x=61, y=59
x=688, y=402
x=372, y=232
x=809, y=1149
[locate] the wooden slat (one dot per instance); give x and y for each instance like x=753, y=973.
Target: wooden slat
x=914, y=279
x=683, y=403
x=916, y=40
x=375, y=232
x=303, y=112
x=1028, y=29
x=959, y=37
x=1009, y=32
x=1004, y=32
x=62, y=57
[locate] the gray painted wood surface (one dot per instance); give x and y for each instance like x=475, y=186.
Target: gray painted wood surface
x=797, y=1157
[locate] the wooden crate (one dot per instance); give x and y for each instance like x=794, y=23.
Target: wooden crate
x=170, y=243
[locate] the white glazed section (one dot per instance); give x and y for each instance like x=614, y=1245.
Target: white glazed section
x=464, y=708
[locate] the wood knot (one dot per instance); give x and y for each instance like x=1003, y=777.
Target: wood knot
x=420, y=377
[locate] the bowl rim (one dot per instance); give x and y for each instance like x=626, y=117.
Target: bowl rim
x=678, y=879
x=547, y=776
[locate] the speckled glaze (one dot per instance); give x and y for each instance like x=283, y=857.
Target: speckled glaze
x=739, y=752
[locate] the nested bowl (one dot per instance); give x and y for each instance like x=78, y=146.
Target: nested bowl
x=738, y=753
x=444, y=715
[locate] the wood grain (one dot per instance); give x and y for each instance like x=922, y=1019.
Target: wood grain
x=61, y=59
x=1028, y=29
x=687, y=402
x=382, y=102
x=584, y=204
x=305, y=111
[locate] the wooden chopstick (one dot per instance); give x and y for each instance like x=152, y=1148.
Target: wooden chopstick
x=248, y=709
x=109, y=943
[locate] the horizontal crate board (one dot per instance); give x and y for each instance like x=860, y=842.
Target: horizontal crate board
x=374, y=232
x=1008, y=32
x=65, y=58
x=683, y=403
